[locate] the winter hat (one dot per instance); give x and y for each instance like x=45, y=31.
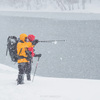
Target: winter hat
x=31, y=37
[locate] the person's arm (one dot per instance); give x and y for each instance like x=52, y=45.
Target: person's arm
x=37, y=55
x=35, y=42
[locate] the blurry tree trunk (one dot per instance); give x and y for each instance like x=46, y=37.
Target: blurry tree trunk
x=90, y=1
x=83, y=4
x=61, y=4
x=71, y=4
x=28, y=3
x=38, y=2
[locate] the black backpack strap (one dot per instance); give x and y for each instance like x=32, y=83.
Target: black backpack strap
x=20, y=51
x=21, y=57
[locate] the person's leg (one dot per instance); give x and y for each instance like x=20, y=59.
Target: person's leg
x=28, y=71
x=21, y=67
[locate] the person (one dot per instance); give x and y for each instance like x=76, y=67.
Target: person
x=23, y=56
x=31, y=49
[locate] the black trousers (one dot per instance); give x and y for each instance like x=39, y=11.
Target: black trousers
x=24, y=68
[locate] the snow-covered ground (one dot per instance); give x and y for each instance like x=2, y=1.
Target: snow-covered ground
x=44, y=88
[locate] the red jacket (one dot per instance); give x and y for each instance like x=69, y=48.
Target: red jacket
x=31, y=38
x=32, y=51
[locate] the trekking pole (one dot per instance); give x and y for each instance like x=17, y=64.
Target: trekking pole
x=35, y=69
x=6, y=51
x=54, y=41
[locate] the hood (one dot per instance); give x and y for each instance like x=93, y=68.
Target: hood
x=22, y=37
x=31, y=37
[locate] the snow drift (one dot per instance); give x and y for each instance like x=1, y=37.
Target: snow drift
x=44, y=88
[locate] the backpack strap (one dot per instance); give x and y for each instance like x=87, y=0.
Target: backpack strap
x=20, y=51
x=21, y=57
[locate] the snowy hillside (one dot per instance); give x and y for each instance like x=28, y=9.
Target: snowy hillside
x=44, y=88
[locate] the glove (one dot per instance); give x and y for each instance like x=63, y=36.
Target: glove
x=37, y=55
x=35, y=42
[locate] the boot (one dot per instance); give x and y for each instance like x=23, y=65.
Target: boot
x=28, y=77
x=20, y=79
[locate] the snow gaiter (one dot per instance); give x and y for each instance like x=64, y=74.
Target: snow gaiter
x=20, y=79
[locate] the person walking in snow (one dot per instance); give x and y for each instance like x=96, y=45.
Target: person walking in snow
x=24, y=56
x=31, y=49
